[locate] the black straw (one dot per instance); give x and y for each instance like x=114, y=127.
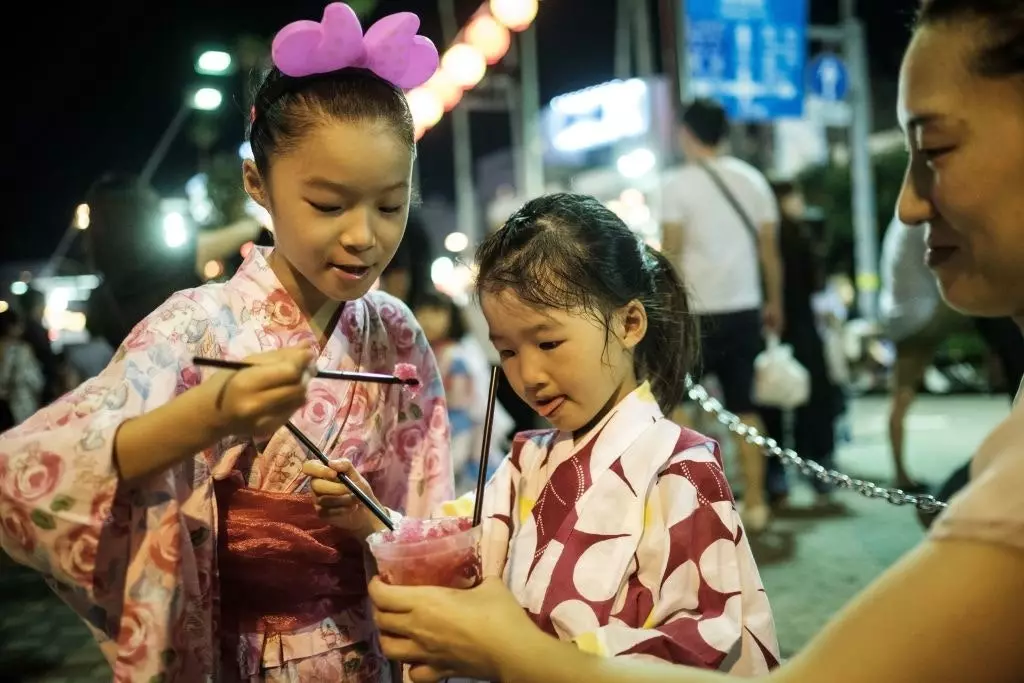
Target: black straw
x=378, y=512
x=324, y=374
x=481, y=481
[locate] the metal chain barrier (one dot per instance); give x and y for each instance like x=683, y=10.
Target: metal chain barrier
x=809, y=468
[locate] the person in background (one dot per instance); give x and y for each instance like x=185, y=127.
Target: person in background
x=21, y=377
x=407, y=277
x=466, y=381
x=719, y=228
x=125, y=246
x=813, y=425
x=37, y=335
x=86, y=360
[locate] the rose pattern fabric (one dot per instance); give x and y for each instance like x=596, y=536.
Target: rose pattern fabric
x=138, y=564
x=629, y=543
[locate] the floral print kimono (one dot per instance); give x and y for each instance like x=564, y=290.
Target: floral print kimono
x=629, y=543
x=219, y=568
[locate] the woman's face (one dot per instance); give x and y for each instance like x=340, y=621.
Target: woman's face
x=965, y=179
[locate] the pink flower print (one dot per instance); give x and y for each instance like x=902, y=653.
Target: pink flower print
x=351, y=320
x=140, y=338
x=321, y=404
x=282, y=310
x=360, y=408
x=136, y=624
x=165, y=544
x=407, y=440
x=437, y=415
x=76, y=554
x=30, y=475
x=17, y=527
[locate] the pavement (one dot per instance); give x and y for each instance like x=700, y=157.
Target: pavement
x=811, y=564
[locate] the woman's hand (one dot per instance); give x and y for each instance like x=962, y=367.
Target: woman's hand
x=336, y=503
x=445, y=632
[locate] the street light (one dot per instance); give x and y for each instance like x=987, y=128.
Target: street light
x=456, y=242
x=175, y=231
x=213, y=63
x=489, y=36
x=82, y=216
x=207, y=99
x=517, y=15
x=426, y=107
x=447, y=91
x=464, y=64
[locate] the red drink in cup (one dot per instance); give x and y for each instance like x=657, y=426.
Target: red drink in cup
x=429, y=552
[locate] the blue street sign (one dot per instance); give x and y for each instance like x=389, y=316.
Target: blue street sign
x=750, y=55
x=828, y=77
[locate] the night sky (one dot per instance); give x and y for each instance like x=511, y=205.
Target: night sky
x=94, y=85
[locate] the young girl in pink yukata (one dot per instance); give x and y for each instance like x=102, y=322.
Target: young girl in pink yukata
x=616, y=529
x=165, y=503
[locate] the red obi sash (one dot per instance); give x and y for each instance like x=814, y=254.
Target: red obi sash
x=281, y=567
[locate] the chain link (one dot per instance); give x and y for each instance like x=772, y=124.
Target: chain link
x=809, y=468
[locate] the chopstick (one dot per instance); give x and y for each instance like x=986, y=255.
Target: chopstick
x=378, y=512
x=324, y=374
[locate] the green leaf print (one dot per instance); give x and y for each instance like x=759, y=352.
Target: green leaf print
x=62, y=503
x=417, y=413
x=43, y=520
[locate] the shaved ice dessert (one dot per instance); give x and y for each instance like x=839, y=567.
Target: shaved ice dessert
x=429, y=552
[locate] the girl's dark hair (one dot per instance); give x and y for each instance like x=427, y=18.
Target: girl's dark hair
x=1002, y=52
x=285, y=108
x=570, y=252
x=457, y=327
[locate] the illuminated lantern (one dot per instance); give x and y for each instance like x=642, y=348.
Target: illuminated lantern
x=213, y=269
x=489, y=36
x=517, y=15
x=447, y=90
x=425, y=106
x=464, y=65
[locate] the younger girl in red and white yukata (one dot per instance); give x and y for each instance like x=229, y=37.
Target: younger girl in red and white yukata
x=166, y=502
x=616, y=529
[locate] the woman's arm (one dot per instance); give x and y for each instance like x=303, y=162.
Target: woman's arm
x=949, y=611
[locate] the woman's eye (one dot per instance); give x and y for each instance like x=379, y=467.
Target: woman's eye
x=549, y=346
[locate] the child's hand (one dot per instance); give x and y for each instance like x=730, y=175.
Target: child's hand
x=336, y=504
x=260, y=399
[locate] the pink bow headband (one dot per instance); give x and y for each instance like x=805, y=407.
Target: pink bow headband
x=390, y=48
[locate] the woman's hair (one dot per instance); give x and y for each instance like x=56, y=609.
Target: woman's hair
x=286, y=108
x=457, y=327
x=570, y=252
x=1002, y=51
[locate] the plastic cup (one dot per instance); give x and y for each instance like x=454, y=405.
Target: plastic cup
x=429, y=552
